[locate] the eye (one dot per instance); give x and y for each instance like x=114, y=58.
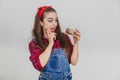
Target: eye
x=50, y=20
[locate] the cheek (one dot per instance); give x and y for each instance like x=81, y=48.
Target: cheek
x=48, y=25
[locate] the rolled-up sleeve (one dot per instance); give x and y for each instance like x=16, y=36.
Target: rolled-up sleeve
x=35, y=52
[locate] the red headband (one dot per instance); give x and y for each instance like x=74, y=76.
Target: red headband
x=42, y=9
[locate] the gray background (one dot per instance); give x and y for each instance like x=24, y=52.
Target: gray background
x=99, y=46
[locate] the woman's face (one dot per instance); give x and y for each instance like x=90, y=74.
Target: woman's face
x=49, y=21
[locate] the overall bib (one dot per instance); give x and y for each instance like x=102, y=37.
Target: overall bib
x=57, y=68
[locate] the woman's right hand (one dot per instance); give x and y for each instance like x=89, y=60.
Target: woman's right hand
x=51, y=36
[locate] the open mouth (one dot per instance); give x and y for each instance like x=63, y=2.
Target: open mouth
x=52, y=29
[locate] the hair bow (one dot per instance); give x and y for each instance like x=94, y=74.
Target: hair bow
x=42, y=9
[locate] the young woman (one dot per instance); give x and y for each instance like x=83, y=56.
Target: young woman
x=51, y=50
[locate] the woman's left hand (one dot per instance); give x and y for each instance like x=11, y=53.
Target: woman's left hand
x=76, y=36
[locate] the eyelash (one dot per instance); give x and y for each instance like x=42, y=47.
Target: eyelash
x=49, y=20
x=52, y=20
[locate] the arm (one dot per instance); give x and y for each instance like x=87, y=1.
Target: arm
x=39, y=57
x=75, y=55
x=35, y=51
x=45, y=55
x=75, y=52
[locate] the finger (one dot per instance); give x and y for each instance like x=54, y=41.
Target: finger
x=47, y=31
x=77, y=33
x=55, y=36
x=75, y=36
x=77, y=30
x=55, y=33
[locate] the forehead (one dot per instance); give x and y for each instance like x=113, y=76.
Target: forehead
x=50, y=15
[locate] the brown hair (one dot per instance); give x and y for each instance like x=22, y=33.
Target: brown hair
x=37, y=32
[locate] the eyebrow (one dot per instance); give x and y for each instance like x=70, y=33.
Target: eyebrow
x=49, y=18
x=52, y=18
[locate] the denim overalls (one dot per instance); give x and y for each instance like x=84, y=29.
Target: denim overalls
x=57, y=67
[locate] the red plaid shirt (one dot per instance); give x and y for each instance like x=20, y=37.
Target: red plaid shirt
x=36, y=50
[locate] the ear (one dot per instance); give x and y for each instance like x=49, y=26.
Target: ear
x=41, y=23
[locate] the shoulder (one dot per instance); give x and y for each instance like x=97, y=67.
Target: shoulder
x=33, y=45
x=33, y=42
